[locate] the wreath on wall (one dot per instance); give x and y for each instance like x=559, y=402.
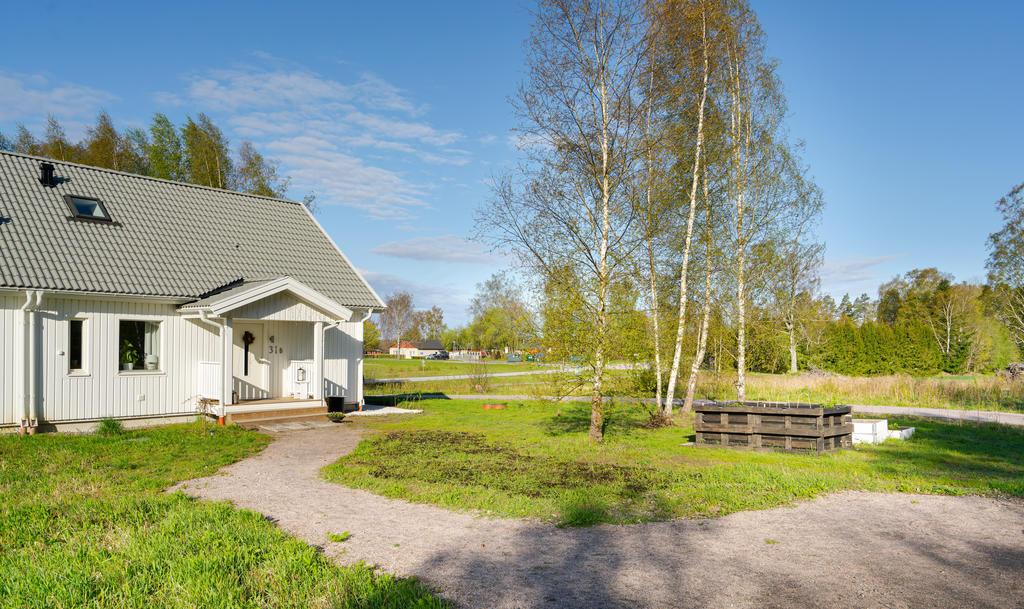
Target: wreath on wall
x=247, y=339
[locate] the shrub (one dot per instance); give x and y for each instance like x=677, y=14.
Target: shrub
x=110, y=427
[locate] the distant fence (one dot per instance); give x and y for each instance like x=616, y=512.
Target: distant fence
x=464, y=356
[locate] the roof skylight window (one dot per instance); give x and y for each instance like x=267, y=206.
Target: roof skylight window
x=87, y=207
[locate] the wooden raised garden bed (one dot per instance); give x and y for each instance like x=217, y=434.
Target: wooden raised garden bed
x=788, y=426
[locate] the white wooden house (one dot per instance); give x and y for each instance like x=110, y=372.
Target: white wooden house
x=421, y=348
x=131, y=297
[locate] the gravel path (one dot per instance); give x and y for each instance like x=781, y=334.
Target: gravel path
x=851, y=549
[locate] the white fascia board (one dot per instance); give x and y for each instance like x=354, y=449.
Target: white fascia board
x=284, y=284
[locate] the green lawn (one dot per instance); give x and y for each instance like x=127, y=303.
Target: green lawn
x=84, y=522
x=534, y=460
x=400, y=368
x=526, y=384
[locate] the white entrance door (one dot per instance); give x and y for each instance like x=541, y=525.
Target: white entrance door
x=251, y=368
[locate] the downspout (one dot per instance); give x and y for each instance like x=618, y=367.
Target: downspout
x=323, y=361
x=323, y=358
x=26, y=339
x=359, y=389
x=33, y=396
x=220, y=332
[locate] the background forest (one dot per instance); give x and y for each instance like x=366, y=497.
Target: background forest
x=196, y=152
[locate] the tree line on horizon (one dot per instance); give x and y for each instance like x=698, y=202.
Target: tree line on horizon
x=921, y=323
x=197, y=152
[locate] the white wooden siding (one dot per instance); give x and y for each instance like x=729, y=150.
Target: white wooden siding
x=12, y=357
x=280, y=307
x=104, y=391
x=101, y=390
x=343, y=361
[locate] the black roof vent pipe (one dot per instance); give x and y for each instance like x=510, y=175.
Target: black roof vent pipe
x=46, y=174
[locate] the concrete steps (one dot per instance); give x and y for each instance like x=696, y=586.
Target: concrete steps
x=260, y=418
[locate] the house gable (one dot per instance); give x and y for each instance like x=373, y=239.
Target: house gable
x=282, y=299
x=283, y=306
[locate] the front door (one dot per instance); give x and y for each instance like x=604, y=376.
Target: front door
x=251, y=368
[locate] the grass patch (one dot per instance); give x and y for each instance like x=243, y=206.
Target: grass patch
x=583, y=510
x=85, y=523
x=607, y=492
x=339, y=537
x=110, y=427
x=533, y=459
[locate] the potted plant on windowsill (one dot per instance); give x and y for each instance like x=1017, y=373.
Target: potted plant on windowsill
x=151, y=362
x=129, y=355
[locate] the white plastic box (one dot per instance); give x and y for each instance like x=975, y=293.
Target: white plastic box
x=873, y=431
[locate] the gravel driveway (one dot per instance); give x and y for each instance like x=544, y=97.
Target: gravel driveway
x=851, y=549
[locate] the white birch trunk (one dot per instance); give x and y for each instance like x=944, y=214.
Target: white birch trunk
x=681, y=327
x=791, y=330
x=702, y=334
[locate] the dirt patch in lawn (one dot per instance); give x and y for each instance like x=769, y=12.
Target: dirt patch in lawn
x=469, y=459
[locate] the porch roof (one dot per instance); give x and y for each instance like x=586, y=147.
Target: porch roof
x=248, y=292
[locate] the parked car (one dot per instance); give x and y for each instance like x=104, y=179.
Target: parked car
x=434, y=356
x=514, y=357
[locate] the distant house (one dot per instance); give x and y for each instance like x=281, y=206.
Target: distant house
x=421, y=348
x=131, y=297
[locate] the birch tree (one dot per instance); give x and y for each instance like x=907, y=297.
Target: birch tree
x=1005, y=263
x=397, y=318
x=771, y=194
x=684, y=41
x=795, y=278
x=569, y=205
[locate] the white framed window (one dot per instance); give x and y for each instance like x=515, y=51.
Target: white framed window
x=138, y=343
x=78, y=339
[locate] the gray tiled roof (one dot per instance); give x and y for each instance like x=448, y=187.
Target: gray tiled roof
x=220, y=295
x=167, y=238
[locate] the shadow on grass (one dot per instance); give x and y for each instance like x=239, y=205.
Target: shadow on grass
x=960, y=454
x=620, y=419
x=411, y=397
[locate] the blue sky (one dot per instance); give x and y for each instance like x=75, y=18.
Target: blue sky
x=396, y=114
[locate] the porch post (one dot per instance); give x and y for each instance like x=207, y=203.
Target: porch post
x=318, y=360
x=227, y=342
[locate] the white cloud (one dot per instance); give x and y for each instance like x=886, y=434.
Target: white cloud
x=31, y=97
x=440, y=248
x=450, y=298
x=344, y=179
x=847, y=273
x=402, y=130
x=323, y=131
